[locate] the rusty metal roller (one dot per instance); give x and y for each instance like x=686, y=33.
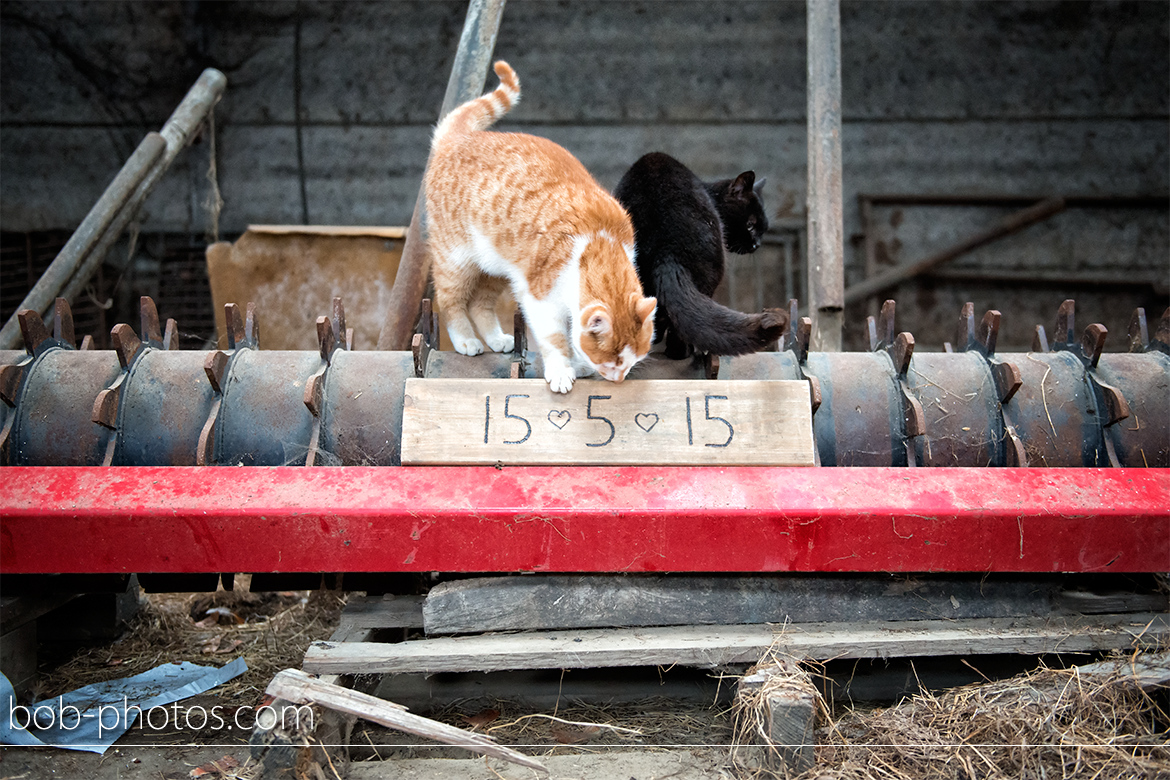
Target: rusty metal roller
x=50, y=392
x=143, y=403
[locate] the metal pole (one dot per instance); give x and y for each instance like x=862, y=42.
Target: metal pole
x=77, y=261
x=826, y=243
x=468, y=74
x=178, y=131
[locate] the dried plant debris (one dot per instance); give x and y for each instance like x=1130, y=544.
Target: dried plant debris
x=1046, y=724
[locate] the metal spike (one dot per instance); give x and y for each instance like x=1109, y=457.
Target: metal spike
x=803, y=334
x=1065, y=331
x=126, y=343
x=419, y=350
x=171, y=335
x=886, y=323
x=989, y=332
x=338, y=322
x=1092, y=342
x=149, y=318
x=1161, y=338
x=1039, y=340
x=32, y=328
x=215, y=366
x=965, y=330
x=349, y=339
x=871, y=334
x=1007, y=380
x=325, y=340
x=10, y=377
x=1116, y=407
x=235, y=325
x=519, y=335
x=1139, y=331
x=902, y=352
x=105, y=408
x=87, y=343
x=63, y=322
x=814, y=391
x=252, y=327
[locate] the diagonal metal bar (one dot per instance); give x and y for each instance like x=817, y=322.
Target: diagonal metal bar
x=468, y=74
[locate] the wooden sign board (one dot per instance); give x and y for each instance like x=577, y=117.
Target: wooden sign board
x=640, y=422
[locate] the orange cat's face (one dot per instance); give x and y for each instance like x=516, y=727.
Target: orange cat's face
x=615, y=338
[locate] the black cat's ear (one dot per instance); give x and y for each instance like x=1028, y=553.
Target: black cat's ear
x=743, y=184
x=760, y=184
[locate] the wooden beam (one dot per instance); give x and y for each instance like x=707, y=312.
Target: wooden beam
x=1012, y=223
x=826, y=232
x=713, y=646
x=599, y=601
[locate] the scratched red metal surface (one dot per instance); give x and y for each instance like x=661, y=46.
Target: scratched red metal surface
x=583, y=519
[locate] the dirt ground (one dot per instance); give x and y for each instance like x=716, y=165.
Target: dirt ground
x=271, y=631
x=1043, y=722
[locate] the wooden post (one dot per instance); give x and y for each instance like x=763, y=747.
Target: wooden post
x=468, y=74
x=777, y=705
x=826, y=243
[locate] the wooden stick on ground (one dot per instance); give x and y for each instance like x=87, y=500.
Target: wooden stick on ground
x=295, y=686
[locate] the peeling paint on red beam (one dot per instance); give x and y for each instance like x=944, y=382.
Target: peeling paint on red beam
x=583, y=519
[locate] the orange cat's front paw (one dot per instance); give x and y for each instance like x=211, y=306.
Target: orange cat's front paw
x=560, y=380
x=468, y=346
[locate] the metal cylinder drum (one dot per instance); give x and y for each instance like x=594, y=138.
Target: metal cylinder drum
x=164, y=406
x=361, y=419
x=54, y=414
x=1055, y=411
x=1143, y=439
x=263, y=420
x=860, y=421
x=961, y=409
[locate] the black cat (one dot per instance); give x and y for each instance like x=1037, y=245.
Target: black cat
x=680, y=228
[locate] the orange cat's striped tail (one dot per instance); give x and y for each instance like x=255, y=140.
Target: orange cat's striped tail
x=483, y=112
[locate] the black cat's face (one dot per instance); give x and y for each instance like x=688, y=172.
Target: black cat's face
x=742, y=211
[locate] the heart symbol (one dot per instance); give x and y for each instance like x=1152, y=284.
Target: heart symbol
x=646, y=421
x=559, y=418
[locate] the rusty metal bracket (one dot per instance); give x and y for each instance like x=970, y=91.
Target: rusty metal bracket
x=130, y=349
x=426, y=337
x=1161, y=338
x=243, y=332
x=519, y=345
x=982, y=338
x=332, y=335
x=900, y=348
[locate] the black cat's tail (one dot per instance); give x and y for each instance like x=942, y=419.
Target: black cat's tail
x=709, y=326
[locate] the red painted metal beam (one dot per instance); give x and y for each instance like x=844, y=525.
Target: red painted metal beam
x=598, y=519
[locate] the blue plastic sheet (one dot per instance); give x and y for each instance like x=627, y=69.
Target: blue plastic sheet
x=94, y=717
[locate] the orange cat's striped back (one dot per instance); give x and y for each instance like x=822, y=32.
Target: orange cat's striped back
x=515, y=211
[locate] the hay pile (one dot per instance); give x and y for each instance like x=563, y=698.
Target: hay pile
x=271, y=631
x=1043, y=725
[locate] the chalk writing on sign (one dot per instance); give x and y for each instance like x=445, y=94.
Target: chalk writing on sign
x=599, y=428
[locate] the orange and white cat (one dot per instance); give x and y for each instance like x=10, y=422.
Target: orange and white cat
x=515, y=211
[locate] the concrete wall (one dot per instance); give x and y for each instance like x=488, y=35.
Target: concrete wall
x=330, y=105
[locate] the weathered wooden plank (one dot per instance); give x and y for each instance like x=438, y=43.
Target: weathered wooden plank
x=387, y=611
x=675, y=422
x=713, y=646
x=553, y=602
x=297, y=687
x=1148, y=670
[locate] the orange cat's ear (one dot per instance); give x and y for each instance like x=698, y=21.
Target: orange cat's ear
x=597, y=321
x=645, y=308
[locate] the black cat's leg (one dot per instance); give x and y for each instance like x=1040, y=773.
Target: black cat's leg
x=676, y=348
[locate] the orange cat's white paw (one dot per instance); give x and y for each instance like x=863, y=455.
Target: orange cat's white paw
x=560, y=380
x=468, y=346
x=501, y=343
